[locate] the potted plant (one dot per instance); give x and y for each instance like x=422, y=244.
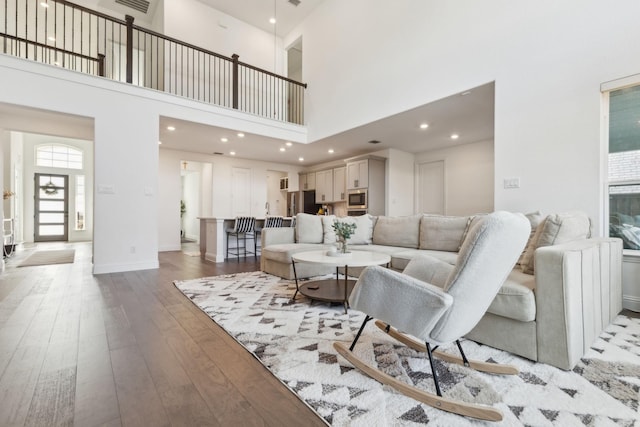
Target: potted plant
x=343, y=230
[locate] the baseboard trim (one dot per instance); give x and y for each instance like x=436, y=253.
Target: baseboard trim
x=631, y=302
x=119, y=268
x=169, y=248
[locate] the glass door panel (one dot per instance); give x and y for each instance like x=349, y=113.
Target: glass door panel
x=51, y=207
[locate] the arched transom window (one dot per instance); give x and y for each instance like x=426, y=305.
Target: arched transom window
x=58, y=156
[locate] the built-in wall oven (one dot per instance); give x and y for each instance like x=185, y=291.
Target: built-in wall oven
x=357, y=200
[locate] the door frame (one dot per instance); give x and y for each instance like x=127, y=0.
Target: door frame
x=36, y=211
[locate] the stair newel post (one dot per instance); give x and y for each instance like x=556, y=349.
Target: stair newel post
x=234, y=83
x=101, y=70
x=129, y=20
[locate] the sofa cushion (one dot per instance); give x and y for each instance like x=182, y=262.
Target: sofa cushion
x=556, y=229
x=329, y=234
x=516, y=299
x=402, y=231
x=399, y=260
x=363, y=234
x=282, y=252
x=309, y=228
x=442, y=233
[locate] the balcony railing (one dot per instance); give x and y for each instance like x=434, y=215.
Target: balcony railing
x=64, y=34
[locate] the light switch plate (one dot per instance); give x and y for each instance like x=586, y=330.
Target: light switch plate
x=511, y=183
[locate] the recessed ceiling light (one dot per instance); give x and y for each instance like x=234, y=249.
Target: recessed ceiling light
x=455, y=136
x=282, y=149
x=272, y=20
x=465, y=93
x=240, y=135
x=159, y=142
x=233, y=153
x=301, y=159
x=171, y=128
x=51, y=38
x=330, y=150
x=223, y=139
x=424, y=126
x=288, y=144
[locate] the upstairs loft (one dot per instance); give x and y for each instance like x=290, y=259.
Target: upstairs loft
x=61, y=33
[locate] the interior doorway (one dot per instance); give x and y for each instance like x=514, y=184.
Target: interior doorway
x=51, y=207
x=430, y=192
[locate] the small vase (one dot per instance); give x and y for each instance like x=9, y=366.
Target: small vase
x=343, y=246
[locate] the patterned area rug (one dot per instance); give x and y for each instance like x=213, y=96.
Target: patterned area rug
x=294, y=340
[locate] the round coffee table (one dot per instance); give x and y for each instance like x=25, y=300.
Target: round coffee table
x=334, y=290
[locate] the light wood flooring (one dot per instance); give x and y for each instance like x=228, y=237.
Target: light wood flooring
x=127, y=349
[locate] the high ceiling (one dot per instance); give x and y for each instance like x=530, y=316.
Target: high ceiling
x=469, y=114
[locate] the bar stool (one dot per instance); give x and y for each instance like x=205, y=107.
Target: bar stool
x=269, y=222
x=245, y=228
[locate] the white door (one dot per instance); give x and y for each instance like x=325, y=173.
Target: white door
x=240, y=192
x=431, y=188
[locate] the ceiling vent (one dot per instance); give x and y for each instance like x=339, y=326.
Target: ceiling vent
x=294, y=2
x=373, y=141
x=139, y=5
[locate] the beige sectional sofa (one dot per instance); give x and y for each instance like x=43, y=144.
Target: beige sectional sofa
x=565, y=289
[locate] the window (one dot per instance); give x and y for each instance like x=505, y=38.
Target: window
x=624, y=166
x=80, y=203
x=58, y=156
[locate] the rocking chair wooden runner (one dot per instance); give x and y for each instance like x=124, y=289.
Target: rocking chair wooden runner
x=438, y=303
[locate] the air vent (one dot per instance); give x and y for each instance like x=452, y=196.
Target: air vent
x=217, y=153
x=139, y=5
x=294, y=2
x=373, y=141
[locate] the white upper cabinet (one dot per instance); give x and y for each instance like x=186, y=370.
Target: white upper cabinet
x=358, y=174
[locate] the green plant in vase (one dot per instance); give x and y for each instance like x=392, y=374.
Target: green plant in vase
x=343, y=230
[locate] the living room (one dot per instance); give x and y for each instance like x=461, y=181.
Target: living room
x=548, y=62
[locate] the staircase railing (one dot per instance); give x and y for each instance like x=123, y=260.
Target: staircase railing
x=64, y=34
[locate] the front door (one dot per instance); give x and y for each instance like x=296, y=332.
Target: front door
x=51, y=201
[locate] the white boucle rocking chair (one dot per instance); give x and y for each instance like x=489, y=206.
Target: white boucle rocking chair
x=438, y=303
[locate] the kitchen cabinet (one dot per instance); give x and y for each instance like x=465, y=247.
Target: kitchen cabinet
x=324, y=186
x=358, y=174
x=308, y=181
x=340, y=184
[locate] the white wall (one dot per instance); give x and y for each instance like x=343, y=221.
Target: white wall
x=547, y=58
x=196, y=23
x=468, y=176
x=29, y=144
x=400, y=183
x=128, y=209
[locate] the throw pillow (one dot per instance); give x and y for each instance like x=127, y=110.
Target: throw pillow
x=309, y=228
x=535, y=219
x=327, y=228
x=554, y=230
x=442, y=233
x=401, y=231
x=363, y=234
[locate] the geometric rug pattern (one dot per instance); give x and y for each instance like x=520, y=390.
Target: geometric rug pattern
x=294, y=340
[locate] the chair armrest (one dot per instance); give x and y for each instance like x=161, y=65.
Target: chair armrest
x=429, y=269
x=578, y=293
x=276, y=236
x=408, y=304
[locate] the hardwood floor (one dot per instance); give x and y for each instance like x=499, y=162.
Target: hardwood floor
x=127, y=349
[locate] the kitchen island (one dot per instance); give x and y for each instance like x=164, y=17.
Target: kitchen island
x=213, y=236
